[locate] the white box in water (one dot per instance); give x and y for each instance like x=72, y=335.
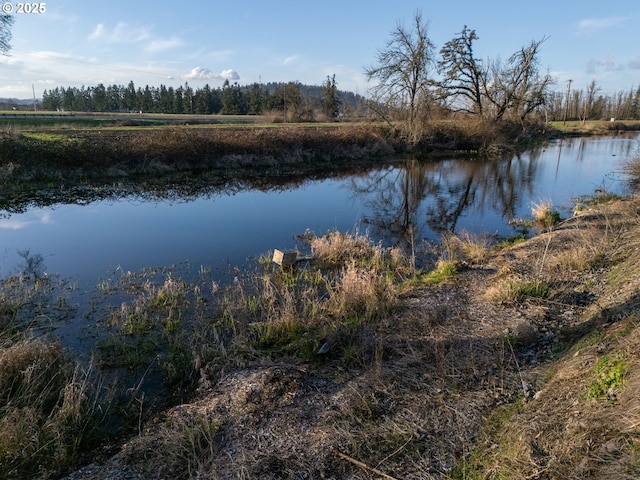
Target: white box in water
x=284, y=259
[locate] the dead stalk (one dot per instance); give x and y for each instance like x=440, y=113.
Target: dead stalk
x=364, y=466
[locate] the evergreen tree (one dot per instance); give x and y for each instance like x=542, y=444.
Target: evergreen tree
x=129, y=100
x=99, y=98
x=330, y=99
x=187, y=103
x=146, y=100
x=232, y=101
x=178, y=100
x=255, y=100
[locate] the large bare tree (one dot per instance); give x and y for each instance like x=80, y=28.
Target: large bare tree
x=463, y=74
x=518, y=88
x=403, y=75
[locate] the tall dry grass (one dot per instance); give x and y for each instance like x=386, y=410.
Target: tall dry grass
x=47, y=410
x=544, y=215
x=350, y=281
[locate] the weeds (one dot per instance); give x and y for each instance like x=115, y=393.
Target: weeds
x=48, y=410
x=544, y=215
x=515, y=289
x=632, y=170
x=608, y=377
x=444, y=271
x=350, y=282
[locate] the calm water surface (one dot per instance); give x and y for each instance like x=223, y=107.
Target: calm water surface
x=218, y=231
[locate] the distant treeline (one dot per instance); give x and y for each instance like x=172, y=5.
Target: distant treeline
x=590, y=104
x=300, y=102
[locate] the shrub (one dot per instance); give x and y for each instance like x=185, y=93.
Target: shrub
x=544, y=215
x=608, y=376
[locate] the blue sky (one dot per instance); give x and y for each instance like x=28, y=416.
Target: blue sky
x=81, y=42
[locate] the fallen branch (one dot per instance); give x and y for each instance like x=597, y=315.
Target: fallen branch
x=364, y=466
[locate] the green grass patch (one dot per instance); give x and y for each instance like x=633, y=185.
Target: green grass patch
x=608, y=376
x=474, y=466
x=516, y=289
x=444, y=271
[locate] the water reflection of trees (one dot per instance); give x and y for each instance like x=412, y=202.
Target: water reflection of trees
x=436, y=194
x=19, y=198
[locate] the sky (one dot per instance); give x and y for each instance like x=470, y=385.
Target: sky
x=82, y=42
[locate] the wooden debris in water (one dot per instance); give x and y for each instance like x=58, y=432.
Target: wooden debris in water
x=284, y=259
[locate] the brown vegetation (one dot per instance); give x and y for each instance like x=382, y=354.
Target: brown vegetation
x=354, y=365
x=80, y=154
x=452, y=383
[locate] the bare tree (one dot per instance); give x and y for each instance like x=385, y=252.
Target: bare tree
x=463, y=73
x=518, y=88
x=590, y=99
x=402, y=71
x=6, y=22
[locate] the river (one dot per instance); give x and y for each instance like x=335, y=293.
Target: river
x=222, y=229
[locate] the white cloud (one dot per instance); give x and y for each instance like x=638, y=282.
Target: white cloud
x=199, y=73
x=97, y=33
x=607, y=64
x=229, y=75
x=161, y=45
x=589, y=25
x=635, y=63
x=16, y=224
x=125, y=33
x=11, y=224
x=290, y=59
x=121, y=33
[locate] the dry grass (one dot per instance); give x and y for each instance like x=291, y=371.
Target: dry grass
x=47, y=415
x=516, y=289
x=423, y=383
x=544, y=214
x=583, y=423
x=350, y=282
x=632, y=169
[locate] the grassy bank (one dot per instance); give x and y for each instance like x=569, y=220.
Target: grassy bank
x=46, y=162
x=594, y=127
x=353, y=365
x=72, y=150
x=77, y=155
x=75, y=152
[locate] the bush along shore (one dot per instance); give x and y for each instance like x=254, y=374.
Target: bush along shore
x=113, y=152
x=77, y=155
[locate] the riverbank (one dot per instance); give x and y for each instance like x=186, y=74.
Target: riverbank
x=50, y=163
x=352, y=349
x=59, y=152
x=354, y=367
x=480, y=373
